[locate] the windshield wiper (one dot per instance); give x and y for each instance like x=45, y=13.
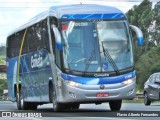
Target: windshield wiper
x=89, y=61
x=108, y=56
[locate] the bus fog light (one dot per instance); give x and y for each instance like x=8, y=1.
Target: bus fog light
x=130, y=92
x=73, y=95
x=127, y=82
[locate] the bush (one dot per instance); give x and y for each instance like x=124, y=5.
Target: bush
x=146, y=65
x=3, y=85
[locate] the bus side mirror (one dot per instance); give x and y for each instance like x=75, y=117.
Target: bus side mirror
x=57, y=38
x=139, y=35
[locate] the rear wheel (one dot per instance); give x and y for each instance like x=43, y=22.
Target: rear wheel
x=32, y=106
x=146, y=101
x=115, y=105
x=21, y=104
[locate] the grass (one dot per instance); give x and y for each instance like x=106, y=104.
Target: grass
x=2, y=60
x=133, y=101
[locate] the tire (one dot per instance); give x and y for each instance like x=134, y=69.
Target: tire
x=71, y=106
x=115, y=105
x=21, y=104
x=146, y=101
x=75, y=106
x=32, y=106
x=68, y=106
x=57, y=107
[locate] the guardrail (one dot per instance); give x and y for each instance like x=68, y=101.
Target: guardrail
x=139, y=96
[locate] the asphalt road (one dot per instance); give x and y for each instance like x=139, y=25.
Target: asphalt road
x=86, y=111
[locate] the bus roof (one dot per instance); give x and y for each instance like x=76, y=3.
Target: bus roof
x=74, y=12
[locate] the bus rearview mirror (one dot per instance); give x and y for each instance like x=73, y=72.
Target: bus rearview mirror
x=139, y=34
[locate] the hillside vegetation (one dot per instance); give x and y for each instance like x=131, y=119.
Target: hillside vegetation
x=3, y=85
x=147, y=58
x=147, y=64
x=3, y=82
x=2, y=55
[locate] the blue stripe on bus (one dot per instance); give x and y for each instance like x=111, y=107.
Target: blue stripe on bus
x=140, y=41
x=93, y=16
x=97, y=81
x=11, y=65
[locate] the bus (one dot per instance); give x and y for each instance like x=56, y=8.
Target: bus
x=71, y=55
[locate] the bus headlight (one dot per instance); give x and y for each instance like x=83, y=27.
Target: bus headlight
x=127, y=82
x=72, y=83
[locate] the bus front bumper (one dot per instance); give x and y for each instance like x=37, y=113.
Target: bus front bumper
x=96, y=93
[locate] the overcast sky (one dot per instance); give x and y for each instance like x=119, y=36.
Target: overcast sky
x=14, y=13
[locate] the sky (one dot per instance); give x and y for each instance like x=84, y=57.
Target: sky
x=14, y=13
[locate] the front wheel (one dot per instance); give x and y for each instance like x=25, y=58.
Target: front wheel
x=146, y=101
x=57, y=107
x=115, y=105
x=75, y=106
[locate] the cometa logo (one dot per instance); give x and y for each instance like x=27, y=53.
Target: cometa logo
x=36, y=62
x=101, y=75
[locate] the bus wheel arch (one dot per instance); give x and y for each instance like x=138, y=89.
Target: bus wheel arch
x=53, y=98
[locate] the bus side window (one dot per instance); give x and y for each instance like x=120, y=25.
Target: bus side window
x=32, y=39
x=25, y=45
x=11, y=46
x=43, y=33
x=38, y=36
x=28, y=39
x=18, y=41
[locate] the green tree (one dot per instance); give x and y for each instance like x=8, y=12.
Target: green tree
x=141, y=16
x=147, y=64
x=155, y=31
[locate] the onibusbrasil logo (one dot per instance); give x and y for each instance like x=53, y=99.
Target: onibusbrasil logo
x=20, y=114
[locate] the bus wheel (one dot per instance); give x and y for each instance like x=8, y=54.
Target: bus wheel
x=70, y=106
x=115, y=105
x=21, y=104
x=18, y=99
x=75, y=106
x=32, y=106
x=57, y=107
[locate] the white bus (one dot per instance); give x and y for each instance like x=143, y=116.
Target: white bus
x=73, y=54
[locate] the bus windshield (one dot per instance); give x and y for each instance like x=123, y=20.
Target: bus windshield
x=96, y=46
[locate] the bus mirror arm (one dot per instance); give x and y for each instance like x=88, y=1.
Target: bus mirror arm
x=139, y=35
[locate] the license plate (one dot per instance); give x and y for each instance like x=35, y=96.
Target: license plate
x=103, y=94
